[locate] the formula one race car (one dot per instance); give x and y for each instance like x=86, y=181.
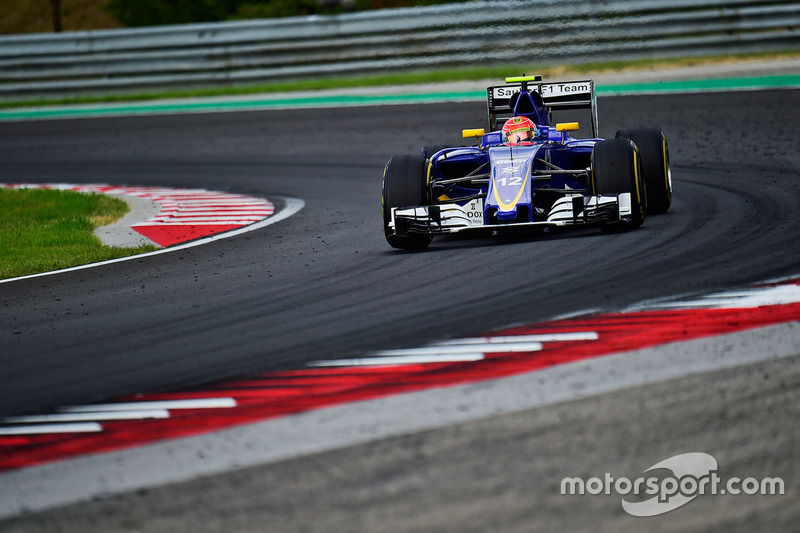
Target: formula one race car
x=528, y=172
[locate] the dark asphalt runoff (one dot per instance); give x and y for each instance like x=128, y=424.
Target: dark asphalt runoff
x=324, y=284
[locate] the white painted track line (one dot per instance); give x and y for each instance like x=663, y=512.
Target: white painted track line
x=400, y=360
x=93, y=416
x=464, y=348
x=202, y=403
x=514, y=339
x=90, y=427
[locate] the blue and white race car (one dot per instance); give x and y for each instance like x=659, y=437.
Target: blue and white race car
x=528, y=171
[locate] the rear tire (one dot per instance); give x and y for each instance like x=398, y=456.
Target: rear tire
x=652, y=145
x=616, y=169
x=404, y=185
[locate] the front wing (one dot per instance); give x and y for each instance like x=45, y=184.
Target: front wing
x=571, y=210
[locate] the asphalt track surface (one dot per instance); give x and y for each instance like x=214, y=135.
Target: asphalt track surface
x=325, y=284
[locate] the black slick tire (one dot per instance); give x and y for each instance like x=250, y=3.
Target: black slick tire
x=404, y=185
x=652, y=145
x=616, y=169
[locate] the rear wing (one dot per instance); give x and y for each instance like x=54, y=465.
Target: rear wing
x=561, y=95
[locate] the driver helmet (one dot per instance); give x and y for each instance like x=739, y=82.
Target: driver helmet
x=519, y=129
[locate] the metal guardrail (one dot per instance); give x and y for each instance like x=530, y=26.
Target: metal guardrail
x=474, y=33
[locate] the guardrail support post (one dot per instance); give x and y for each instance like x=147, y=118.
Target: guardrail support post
x=55, y=8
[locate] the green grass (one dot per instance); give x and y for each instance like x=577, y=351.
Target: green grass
x=45, y=230
x=497, y=73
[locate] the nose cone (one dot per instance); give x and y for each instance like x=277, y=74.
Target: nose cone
x=510, y=185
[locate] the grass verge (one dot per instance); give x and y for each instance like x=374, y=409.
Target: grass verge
x=497, y=72
x=46, y=230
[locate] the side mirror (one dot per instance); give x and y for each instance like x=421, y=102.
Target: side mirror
x=477, y=133
x=567, y=126
x=564, y=127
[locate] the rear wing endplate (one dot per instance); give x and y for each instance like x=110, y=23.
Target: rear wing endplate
x=560, y=95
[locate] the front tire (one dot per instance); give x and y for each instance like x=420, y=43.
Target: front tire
x=616, y=169
x=652, y=145
x=404, y=185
